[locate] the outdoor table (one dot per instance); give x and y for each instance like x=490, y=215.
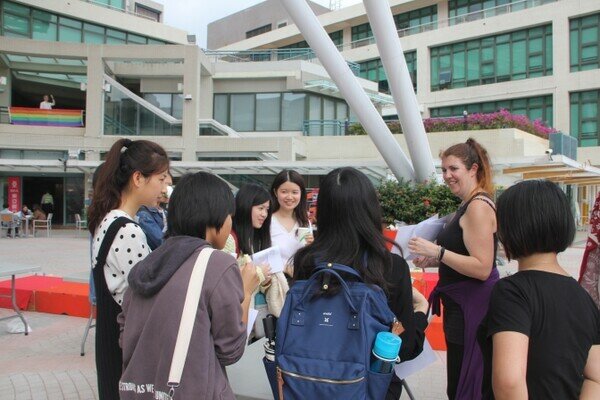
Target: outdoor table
x=26, y=221
x=11, y=270
x=247, y=377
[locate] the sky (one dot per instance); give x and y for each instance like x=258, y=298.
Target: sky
x=194, y=16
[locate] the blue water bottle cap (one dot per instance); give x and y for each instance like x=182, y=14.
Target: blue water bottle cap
x=387, y=346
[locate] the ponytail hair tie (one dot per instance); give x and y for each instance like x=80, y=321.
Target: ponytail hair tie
x=126, y=144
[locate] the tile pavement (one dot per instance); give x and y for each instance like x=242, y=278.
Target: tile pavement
x=46, y=364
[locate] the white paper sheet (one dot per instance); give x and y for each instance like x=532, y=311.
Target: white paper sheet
x=428, y=229
x=252, y=314
x=270, y=256
x=407, y=368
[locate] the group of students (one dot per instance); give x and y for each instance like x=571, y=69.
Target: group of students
x=528, y=342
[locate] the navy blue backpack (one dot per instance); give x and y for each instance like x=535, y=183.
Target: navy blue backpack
x=324, y=343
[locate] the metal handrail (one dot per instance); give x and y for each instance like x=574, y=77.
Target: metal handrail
x=339, y=127
x=456, y=20
x=305, y=54
x=144, y=103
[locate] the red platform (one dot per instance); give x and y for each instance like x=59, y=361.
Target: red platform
x=48, y=294
x=424, y=282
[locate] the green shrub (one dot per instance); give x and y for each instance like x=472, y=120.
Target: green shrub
x=413, y=203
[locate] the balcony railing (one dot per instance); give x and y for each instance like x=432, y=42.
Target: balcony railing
x=323, y=127
x=306, y=54
x=41, y=117
x=459, y=19
x=126, y=113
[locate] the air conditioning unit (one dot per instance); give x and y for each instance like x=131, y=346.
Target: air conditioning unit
x=563, y=144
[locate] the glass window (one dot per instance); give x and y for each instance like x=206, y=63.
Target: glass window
x=93, y=34
x=337, y=37
x=22, y=21
x=136, y=39
x=268, y=111
x=221, y=108
x=292, y=111
x=16, y=24
x=258, y=31
x=341, y=112
x=242, y=112
x=14, y=8
x=360, y=32
x=585, y=117
x=416, y=21
x=584, y=42
x=177, y=106
x=533, y=107
x=521, y=54
x=44, y=26
x=114, y=36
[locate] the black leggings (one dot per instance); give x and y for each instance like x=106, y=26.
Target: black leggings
x=454, y=359
x=454, y=326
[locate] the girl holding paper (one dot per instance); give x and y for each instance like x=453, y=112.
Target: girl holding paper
x=249, y=235
x=466, y=255
x=290, y=229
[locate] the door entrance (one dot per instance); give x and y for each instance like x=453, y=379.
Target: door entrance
x=34, y=189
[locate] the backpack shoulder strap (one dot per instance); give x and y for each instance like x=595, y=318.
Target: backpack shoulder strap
x=111, y=233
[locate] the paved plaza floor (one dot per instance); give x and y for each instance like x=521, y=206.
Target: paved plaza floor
x=46, y=364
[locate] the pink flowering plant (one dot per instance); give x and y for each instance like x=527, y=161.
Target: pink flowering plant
x=473, y=122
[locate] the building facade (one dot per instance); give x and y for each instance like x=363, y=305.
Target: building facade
x=256, y=106
x=534, y=57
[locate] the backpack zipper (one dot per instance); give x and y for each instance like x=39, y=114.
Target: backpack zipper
x=321, y=380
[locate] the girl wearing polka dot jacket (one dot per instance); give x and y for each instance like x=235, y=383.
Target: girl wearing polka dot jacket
x=133, y=175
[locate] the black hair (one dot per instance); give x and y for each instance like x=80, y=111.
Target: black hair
x=199, y=201
x=301, y=210
x=124, y=158
x=250, y=239
x=5, y=205
x=349, y=216
x=534, y=217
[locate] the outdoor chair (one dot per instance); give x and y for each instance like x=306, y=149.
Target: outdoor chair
x=9, y=222
x=80, y=223
x=47, y=223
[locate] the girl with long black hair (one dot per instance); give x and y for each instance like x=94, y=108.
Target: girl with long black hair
x=350, y=233
x=250, y=234
x=132, y=175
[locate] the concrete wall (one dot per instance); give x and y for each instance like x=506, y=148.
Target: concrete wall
x=233, y=28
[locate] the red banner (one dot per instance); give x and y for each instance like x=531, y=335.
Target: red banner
x=14, y=193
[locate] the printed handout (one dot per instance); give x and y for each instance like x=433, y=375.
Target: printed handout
x=428, y=229
x=270, y=256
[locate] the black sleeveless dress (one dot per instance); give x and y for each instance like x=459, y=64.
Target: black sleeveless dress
x=451, y=238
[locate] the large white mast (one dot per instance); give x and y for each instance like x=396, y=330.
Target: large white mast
x=407, y=106
x=338, y=70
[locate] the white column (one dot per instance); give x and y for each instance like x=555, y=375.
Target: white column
x=338, y=70
x=394, y=63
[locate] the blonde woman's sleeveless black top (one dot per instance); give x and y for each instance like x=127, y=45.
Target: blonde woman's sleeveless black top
x=451, y=237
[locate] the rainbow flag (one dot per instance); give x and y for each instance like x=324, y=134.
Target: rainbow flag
x=37, y=116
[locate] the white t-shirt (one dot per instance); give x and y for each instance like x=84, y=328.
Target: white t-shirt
x=286, y=240
x=46, y=105
x=127, y=249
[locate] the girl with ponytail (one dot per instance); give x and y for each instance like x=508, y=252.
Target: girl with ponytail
x=133, y=175
x=465, y=253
